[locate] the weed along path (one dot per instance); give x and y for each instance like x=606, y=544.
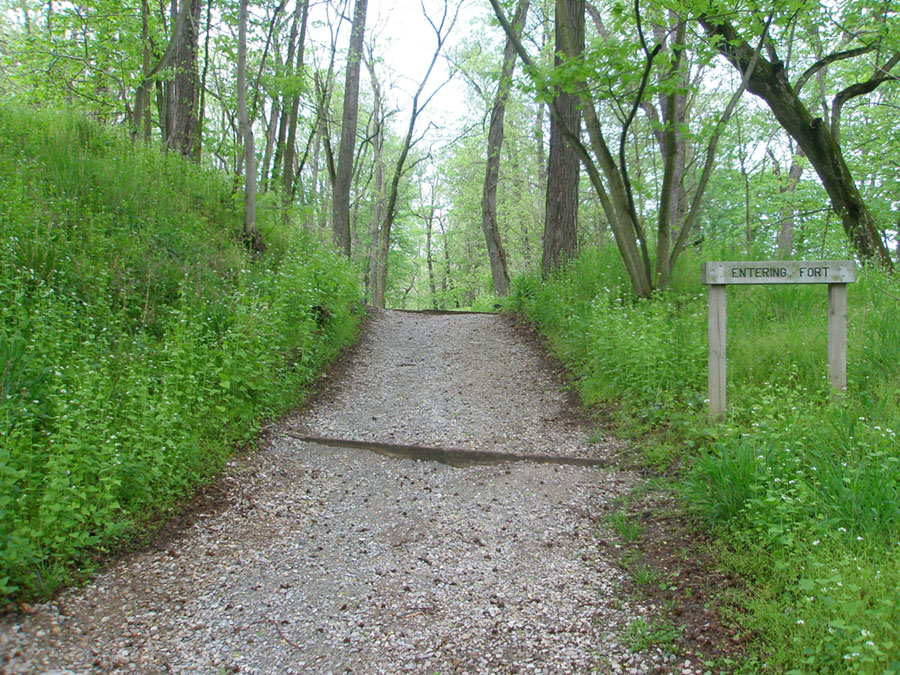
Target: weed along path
x=433, y=553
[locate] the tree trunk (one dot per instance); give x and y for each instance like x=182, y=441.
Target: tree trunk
x=378, y=151
x=446, y=280
x=179, y=24
x=284, y=159
x=785, y=239
x=429, y=257
x=560, y=235
x=340, y=205
x=672, y=147
x=201, y=116
x=251, y=233
x=291, y=141
x=499, y=271
x=142, y=117
x=186, y=87
x=271, y=131
x=769, y=82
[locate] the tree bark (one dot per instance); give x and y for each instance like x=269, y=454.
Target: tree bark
x=769, y=82
x=186, y=88
x=378, y=151
x=785, y=240
x=340, y=204
x=429, y=256
x=201, y=116
x=141, y=123
x=291, y=142
x=142, y=94
x=496, y=253
x=275, y=116
x=251, y=234
x=447, y=279
x=560, y=235
x=282, y=164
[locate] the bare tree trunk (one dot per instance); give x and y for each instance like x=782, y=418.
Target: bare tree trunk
x=291, y=142
x=785, y=238
x=447, y=279
x=429, y=258
x=378, y=150
x=251, y=233
x=288, y=72
x=560, y=235
x=142, y=121
x=672, y=151
x=142, y=94
x=340, y=205
x=186, y=87
x=201, y=116
x=499, y=271
x=271, y=130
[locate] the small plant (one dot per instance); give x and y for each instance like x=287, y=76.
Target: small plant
x=643, y=575
x=642, y=635
x=626, y=527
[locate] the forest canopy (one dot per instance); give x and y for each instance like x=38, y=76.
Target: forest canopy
x=766, y=129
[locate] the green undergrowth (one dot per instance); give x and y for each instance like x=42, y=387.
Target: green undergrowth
x=803, y=487
x=139, y=342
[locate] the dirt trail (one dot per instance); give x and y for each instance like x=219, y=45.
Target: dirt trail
x=331, y=560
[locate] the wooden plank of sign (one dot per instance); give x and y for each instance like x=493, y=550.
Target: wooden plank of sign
x=837, y=336
x=780, y=272
x=717, y=324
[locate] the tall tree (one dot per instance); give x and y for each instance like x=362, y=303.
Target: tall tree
x=340, y=204
x=608, y=171
x=496, y=253
x=560, y=236
x=818, y=139
x=186, y=87
x=379, y=119
x=251, y=232
x=286, y=149
x=180, y=26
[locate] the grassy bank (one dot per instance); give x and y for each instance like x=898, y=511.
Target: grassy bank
x=139, y=342
x=802, y=488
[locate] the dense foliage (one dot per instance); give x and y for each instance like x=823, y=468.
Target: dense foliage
x=803, y=486
x=138, y=339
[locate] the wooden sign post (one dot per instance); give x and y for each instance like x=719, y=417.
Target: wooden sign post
x=836, y=273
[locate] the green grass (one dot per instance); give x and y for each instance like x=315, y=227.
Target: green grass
x=629, y=529
x=802, y=486
x=641, y=635
x=139, y=342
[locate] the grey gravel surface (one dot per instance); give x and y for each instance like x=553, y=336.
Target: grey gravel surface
x=344, y=561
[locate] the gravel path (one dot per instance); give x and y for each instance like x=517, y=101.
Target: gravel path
x=333, y=560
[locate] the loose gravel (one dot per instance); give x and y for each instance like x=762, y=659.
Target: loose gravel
x=332, y=560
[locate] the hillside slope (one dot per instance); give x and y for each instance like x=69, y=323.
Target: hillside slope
x=138, y=339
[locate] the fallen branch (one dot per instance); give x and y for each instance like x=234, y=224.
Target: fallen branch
x=283, y=636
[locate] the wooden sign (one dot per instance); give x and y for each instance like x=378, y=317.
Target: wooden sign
x=780, y=272
x=836, y=273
